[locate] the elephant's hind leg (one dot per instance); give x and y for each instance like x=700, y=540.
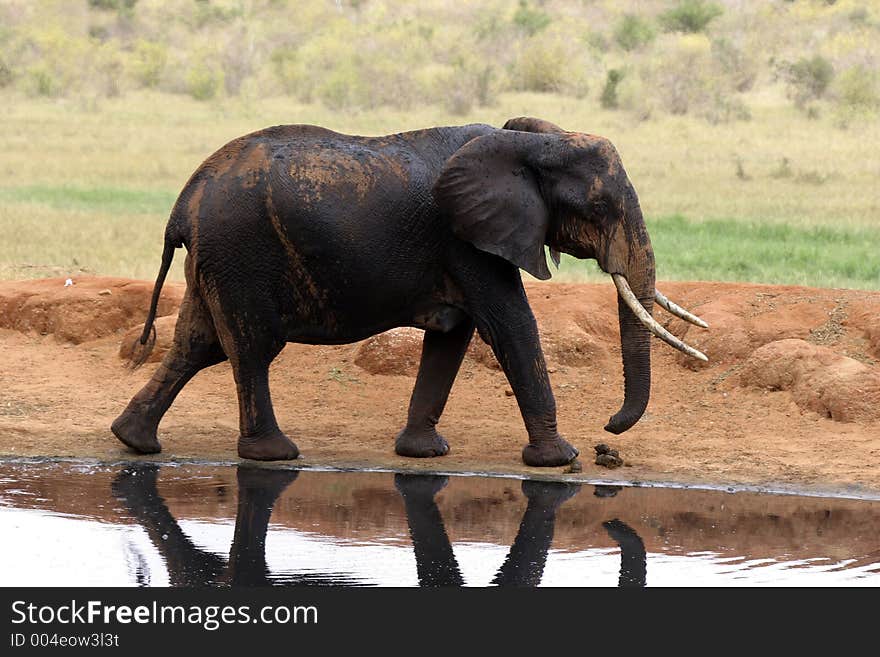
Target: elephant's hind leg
x=253, y=339
x=260, y=438
x=442, y=354
x=195, y=347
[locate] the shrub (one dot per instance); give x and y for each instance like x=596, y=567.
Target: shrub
x=54, y=63
x=686, y=79
x=5, y=74
x=106, y=68
x=552, y=62
x=203, y=81
x=635, y=97
x=531, y=21
x=690, y=16
x=339, y=89
x=113, y=5
x=808, y=79
x=288, y=69
x=41, y=81
x=738, y=65
x=857, y=89
x=682, y=73
x=633, y=32
x=237, y=60
x=609, y=99
x=148, y=61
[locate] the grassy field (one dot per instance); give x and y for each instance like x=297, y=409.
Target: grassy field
x=86, y=185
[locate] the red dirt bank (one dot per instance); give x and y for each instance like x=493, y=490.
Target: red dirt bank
x=789, y=399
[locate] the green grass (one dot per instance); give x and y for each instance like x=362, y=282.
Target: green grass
x=101, y=199
x=89, y=188
x=730, y=250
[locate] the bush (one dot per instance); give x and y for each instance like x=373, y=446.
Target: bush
x=106, y=70
x=609, y=99
x=147, y=62
x=288, y=70
x=857, y=89
x=113, y=5
x=808, y=79
x=633, y=32
x=553, y=63
x=41, y=81
x=5, y=74
x=685, y=79
x=739, y=66
x=690, y=16
x=54, y=62
x=531, y=21
x=339, y=89
x=203, y=81
x=635, y=97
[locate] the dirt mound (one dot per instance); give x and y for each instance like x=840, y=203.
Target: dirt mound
x=740, y=323
x=865, y=317
x=164, y=338
x=819, y=379
x=91, y=307
x=394, y=352
x=398, y=351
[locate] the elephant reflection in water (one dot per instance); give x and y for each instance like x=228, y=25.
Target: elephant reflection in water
x=259, y=488
x=524, y=565
x=188, y=565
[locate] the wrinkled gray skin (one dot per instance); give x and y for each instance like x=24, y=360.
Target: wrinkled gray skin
x=300, y=234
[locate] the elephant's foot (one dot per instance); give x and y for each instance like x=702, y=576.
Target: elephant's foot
x=273, y=446
x=549, y=453
x=549, y=494
x=134, y=482
x=420, y=487
x=274, y=480
x=132, y=430
x=422, y=443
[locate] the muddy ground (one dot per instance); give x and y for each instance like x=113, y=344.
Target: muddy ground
x=789, y=400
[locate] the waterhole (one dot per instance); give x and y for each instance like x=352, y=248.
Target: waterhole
x=69, y=524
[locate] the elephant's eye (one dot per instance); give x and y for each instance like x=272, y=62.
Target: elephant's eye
x=599, y=208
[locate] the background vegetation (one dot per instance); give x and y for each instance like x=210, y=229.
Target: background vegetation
x=750, y=130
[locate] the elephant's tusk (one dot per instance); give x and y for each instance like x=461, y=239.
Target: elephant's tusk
x=677, y=310
x=645, y=318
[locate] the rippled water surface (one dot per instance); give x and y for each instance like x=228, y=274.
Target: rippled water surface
x=149, y=525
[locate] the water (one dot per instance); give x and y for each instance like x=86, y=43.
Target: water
x=69, y=524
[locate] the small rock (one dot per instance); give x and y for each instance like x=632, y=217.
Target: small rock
x=609, y=460
x=508, y=392
x=105, y=292
x=602, y=448
x=68, y=282
x=607, y=457
x=606, y=491
x=574, y=466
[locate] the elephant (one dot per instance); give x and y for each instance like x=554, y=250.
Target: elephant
x=190, y=566
x=524, y=564
x=296, y=233
x=136, y=487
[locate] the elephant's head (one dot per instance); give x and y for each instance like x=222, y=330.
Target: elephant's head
x=533, y=184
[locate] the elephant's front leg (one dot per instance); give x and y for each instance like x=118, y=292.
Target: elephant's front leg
x=525, y=562
x=442, y=354
x=506, y=322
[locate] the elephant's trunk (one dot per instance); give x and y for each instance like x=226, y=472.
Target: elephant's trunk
x=635, y=337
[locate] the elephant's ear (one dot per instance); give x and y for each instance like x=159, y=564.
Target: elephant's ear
x=493, y=200
x=530, y=124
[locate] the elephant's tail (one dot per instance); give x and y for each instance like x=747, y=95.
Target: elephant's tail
x=144, y=345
